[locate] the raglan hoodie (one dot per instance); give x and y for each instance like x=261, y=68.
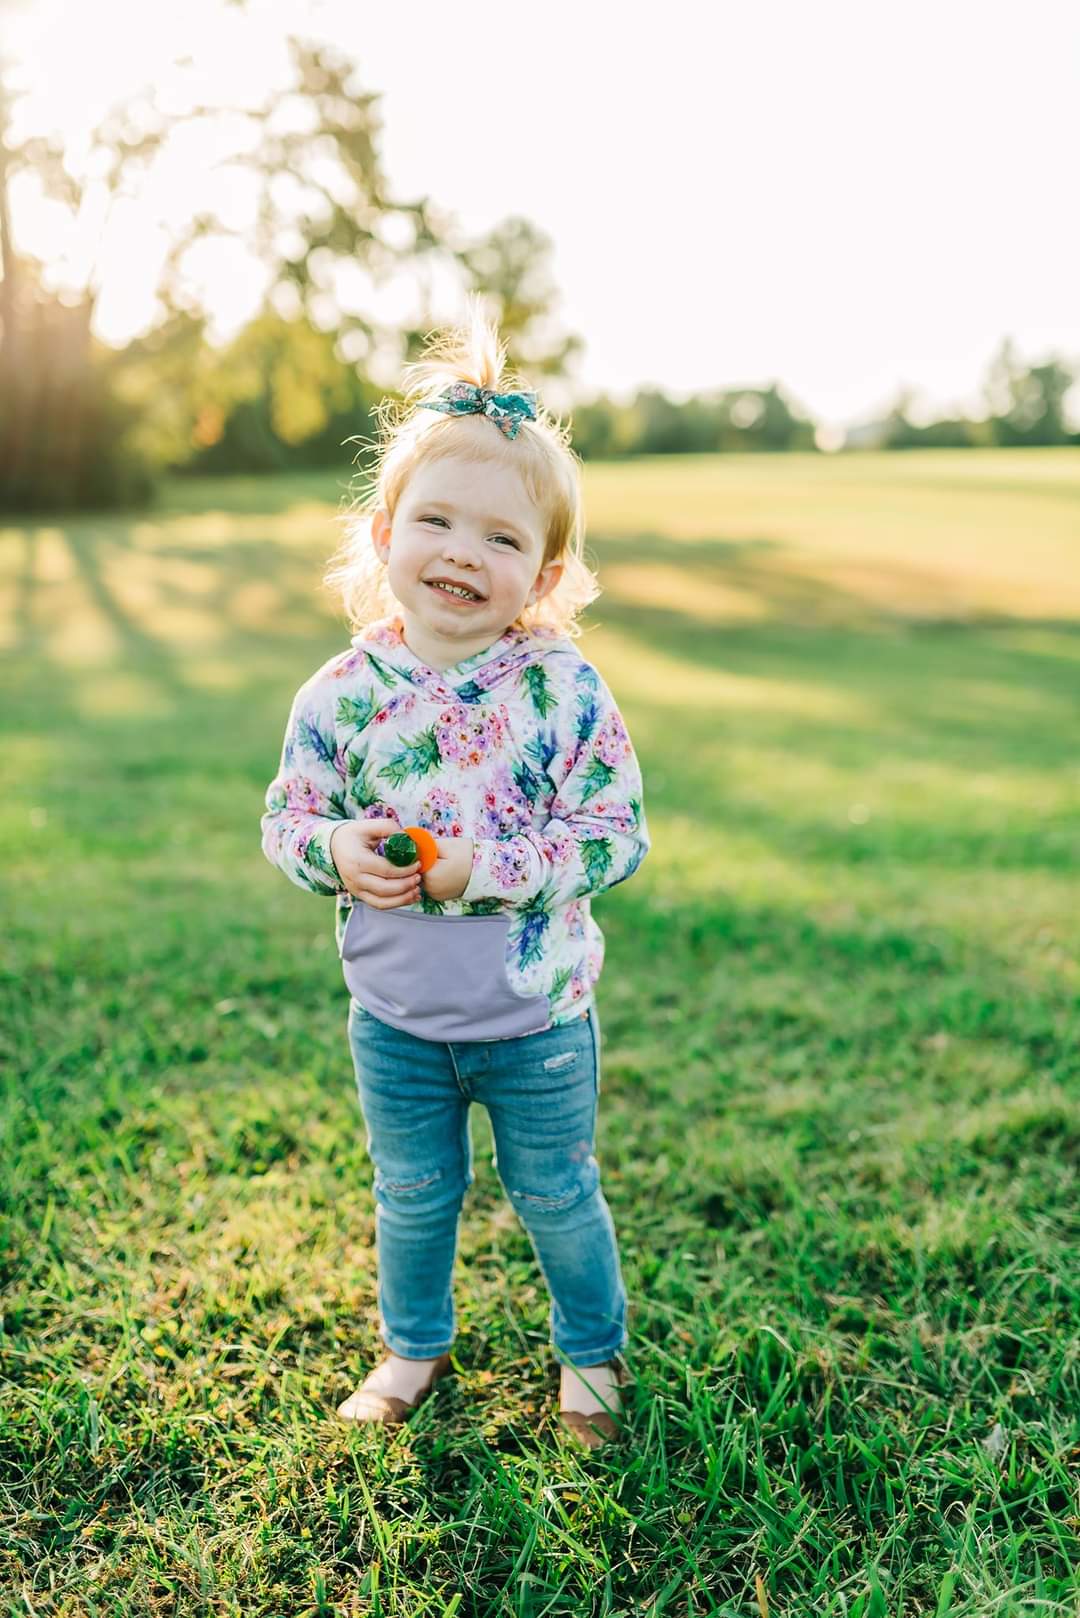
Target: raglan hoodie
x=520, y=747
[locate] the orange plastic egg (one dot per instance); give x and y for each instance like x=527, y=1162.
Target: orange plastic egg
x=427, y=850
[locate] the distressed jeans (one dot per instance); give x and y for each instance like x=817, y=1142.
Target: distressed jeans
x=541, y=1093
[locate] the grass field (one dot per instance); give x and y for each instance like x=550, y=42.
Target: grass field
x=840, y=1112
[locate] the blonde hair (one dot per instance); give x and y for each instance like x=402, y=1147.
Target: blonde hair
x=412, y=436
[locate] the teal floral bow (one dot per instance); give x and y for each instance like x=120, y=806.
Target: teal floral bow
x=506, y=410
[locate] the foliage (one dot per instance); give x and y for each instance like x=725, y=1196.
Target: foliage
x=277, y=396
x=1026, y=405
x=67, y=438
x=1030, y=399
x=327, y=236
x=654, y=424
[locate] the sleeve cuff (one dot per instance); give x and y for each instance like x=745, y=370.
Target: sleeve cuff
x=502, y=869
x=318, y=856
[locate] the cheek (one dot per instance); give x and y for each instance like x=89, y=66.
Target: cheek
x=407, y=553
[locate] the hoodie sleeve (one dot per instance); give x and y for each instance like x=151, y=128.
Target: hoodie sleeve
x=306, y=799
x=596, y=835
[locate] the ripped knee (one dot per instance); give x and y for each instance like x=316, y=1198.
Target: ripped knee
x=429, y=1190
x=579, y=1182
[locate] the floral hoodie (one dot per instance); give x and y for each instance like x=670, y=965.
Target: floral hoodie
x=520, y=747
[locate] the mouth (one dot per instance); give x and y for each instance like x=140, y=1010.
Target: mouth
x=455, y=593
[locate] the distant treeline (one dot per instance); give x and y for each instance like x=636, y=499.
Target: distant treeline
x=1024, y=406
x=86, y=425
x=299, y=405
x=278, y=398
x=258, y=432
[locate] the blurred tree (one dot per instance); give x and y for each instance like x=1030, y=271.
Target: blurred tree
x=735, y=419
x=898, y=431
x=63, y=430
x=768, y=420
x=1027, y=403
x=511, y=267
x=593, y=424
x=277, y=397
x=655, y=422
x=323, y=233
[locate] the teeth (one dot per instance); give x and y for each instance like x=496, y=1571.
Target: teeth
x=452, y=590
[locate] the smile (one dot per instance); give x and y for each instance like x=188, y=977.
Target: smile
x=454, y=593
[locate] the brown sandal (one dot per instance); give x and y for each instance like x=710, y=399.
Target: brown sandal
x=387, y=1408
x=595, y=1430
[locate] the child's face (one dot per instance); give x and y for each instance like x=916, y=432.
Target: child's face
x=474, y=525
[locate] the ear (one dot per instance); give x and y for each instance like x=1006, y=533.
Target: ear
x=546, y=580
x=380, y=534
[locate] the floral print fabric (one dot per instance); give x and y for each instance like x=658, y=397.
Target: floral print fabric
x=520, y=747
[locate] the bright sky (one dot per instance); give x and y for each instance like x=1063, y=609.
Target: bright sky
x=846, y=196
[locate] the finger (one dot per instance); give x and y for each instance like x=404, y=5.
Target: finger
x=384, y=869
x=392, y=903
x=389, y=868
x=394, y=881
x=378, y=828
x=391, y=889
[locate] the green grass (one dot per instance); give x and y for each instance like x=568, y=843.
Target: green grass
x=839, y=1124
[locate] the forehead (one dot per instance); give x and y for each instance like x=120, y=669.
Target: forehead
x=491, y=491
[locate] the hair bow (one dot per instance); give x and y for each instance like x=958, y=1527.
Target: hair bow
x=506, y=410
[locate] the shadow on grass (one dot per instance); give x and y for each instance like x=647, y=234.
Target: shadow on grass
x=933, y=694
x=922, y=669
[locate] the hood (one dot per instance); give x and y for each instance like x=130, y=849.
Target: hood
x=384, y=642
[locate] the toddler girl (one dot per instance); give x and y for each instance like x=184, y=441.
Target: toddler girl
x=464, y=707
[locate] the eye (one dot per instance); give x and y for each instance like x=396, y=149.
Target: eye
x=508, y=538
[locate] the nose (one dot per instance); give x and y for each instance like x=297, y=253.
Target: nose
x=458, y=550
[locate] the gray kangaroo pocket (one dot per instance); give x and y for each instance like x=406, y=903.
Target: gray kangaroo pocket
x=439, y=977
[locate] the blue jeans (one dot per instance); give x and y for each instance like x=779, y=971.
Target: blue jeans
x=541, y=1093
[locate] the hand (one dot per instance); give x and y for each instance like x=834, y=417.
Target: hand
x=449, y=876
x=370, y=876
